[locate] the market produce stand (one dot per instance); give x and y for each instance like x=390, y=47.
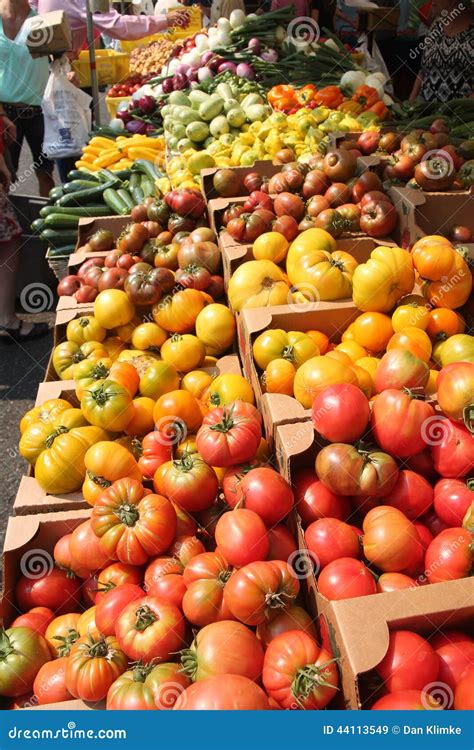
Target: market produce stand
x=256, y=420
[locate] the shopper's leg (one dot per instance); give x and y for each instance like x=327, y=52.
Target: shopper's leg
x=43, y=167
x=9, y=254
x=64, y=166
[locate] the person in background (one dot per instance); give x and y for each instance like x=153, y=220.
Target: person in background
x=345, y=23
x=12, y=329
x=223, y=9
x=112, y=23
x=446, y=69
x=23, y=80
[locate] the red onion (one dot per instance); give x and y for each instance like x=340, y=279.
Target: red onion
x=147, y=104
x=136, y=126
x=271, y=55
x=179, y=82
x=245, y=71
x=182, y=68
x=167, y=86
x=254, y=46
x=206, y=56
x=122, y=114
x=192, y=75
x=216, y=62
x=226, y=66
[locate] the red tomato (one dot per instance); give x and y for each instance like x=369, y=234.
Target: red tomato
x=329, y=539
x=314, y=500
x=297, y=673
x=259, y=590
x=241, y=536
x=422, y=463
x=282, y=544
x=159, y=567
x=341, y=413
x=455, y=390
x=230, y=692
x=226, y=647
x=449, y=556
x=184, y=548
x=400, y=368
x=63, y=559
x=117, y=574
x=409, y=664
x=231, y=483
x=407, y=700
x=204, y=579
x=399, y=423
x=155, y=452
x=86, y=549
x=346, y=578
x=433, y=523
x=412, y=494
x=452, y=499
x=294, y=618
x=111, y=605
x=394, y=582
x=56, y=590
x=464, y=695
x=390, y=540
x=92, y=666
x=454, y=659
x=170, y=588
x=149, y=628
x=417, y=567
x=262, y=484
x=189, y=481
x=50, y=682
x=452, y=448
x=37, y=618
x=229, y=435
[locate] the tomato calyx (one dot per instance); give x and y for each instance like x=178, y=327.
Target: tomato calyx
x=136, y=447
x=468, y=418
x=470, y=484
x=98, y=480
x=51, y=438
x=417, y=393
x=65, y=642
x=308, y=678
x=128, y=514
x=6, y=647
x=97, y=648
x=100, y=372
x=100, y=395
x=267, y=282
x=145, y=617
x=176, y=337
x=104, y=588
x=275, y=600
x=83, y=322
x=77, y=357
x=141, y=671
x=189, y=663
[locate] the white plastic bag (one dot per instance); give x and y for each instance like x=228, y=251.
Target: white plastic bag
x=373, y=61
x=67, y=114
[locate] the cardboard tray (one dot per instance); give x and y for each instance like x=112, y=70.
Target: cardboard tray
x=89, y=224
x=332, y=318
x=358, y=629
x=423, y=213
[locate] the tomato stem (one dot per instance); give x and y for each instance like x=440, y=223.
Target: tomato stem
x=309, y=678
x=145, y=618
x=6, y=647
x=100, y=481
x=189, y=662
x=97, y=649
x=65, y=642
x=128, y=514
x=100, y=372
x=51, y=438
x=77, y=357
x=275, y=600
x=83, y=322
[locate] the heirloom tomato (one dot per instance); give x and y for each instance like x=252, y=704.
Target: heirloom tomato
x=23, y=652
x=241, y=536
x=260, y=590
x=149, y=628
x=93, y=665
x=205, y=577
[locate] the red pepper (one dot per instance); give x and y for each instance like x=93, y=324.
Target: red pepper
x=366, y=96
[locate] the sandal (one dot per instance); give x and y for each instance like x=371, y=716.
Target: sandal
x=16, y=335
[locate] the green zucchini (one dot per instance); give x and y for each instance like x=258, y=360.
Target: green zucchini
x=91, y=195
x=59, y=237
x=37, y=226
x=76, y=185
x=61, y=251
x=148, y=186
x=82, y=174
x=115, y=202
x=146, y=167
x=62, y=221
x=56, y=192
x=134, y=180
x=105, y=175
x=127, y=199
x=97, y=210
x=137, y=194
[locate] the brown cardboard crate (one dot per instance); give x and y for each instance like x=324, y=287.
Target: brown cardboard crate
x=31, y=498
x=88, y=225
x=358, y=628
x=77, y=259
x=423, y=213
x=66, y=302
x=332, y=318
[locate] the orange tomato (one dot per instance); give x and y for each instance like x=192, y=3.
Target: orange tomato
x=113, y=346
x=125, y=332
x=432, y=257
x=453, y=289
x=148, y=335
x=353, y=350
x=263, y=452
x=142, y=419
x=179, y=412
x=413, y=340
x=443, y=323
x=198, y=383
x=270, y=246
x=279, y=376
x=370, y=365
x=316, y=374
x=178, y=313
x=340, y=356
x=62, y=627
x=159, y=378
x=364, y=380
x=86, y=624
x=321, y=340
x=105, y=462
x=373, y=331
x=431, y=386
x=410, y=315
x=348, y=334
x=125, y=374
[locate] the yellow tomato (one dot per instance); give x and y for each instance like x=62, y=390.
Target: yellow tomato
x=373, y=331
x=275, y=343
x=321, y=340
x=46, y=413
x=113, y=308
x=125, y=332
x=348, y=334
x=431, y=386
x=270, y=246
x=184, y=351
x=258, y=283
x=316, y=374
x=85, y=328
x=197, y=382
x=215, y=327
x=279, y=376
x=353, y=350
x=86, y=624
x=160, y=377
x=417, y=316
x=339, y=356
x=227, y=388
x=370, y=365
x=142, y=417
x=113, y=346
x=148, y=335
x=186, y=446
x=321, y=275
x=413, y=340
x=105, y=462
x=383, y=280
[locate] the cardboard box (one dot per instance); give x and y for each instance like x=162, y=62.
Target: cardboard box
x=358, y=629
x=77, y=259
x=332, y=318
x=49, y=33
x=89, y=224
x=31, y=498
x=423, y=213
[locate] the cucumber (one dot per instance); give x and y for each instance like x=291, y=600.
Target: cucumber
x=105, y=175
x=115, y=202
x=55, y=193
x=62, y=221
x=147, y=185
x=134, y=180
x=127, y=199
x=76, y=185
x=146, y=167
x=61, y=251
x=137, y=194
x=97, y=210
x=37, y=225
x=90, y=195
x=58, y=238
x=81, y=174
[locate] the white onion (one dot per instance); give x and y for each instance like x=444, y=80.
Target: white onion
x=223, y=24
x=224, y=38
x=202, y=42
x=204, y=74
x=213, y=31
x=173, y=64
x=237, y=18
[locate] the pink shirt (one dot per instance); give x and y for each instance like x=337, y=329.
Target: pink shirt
x=111, y=23
x=301, y=7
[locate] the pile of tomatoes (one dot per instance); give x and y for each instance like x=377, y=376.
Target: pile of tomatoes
x=328, y=192
x=128, y=86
